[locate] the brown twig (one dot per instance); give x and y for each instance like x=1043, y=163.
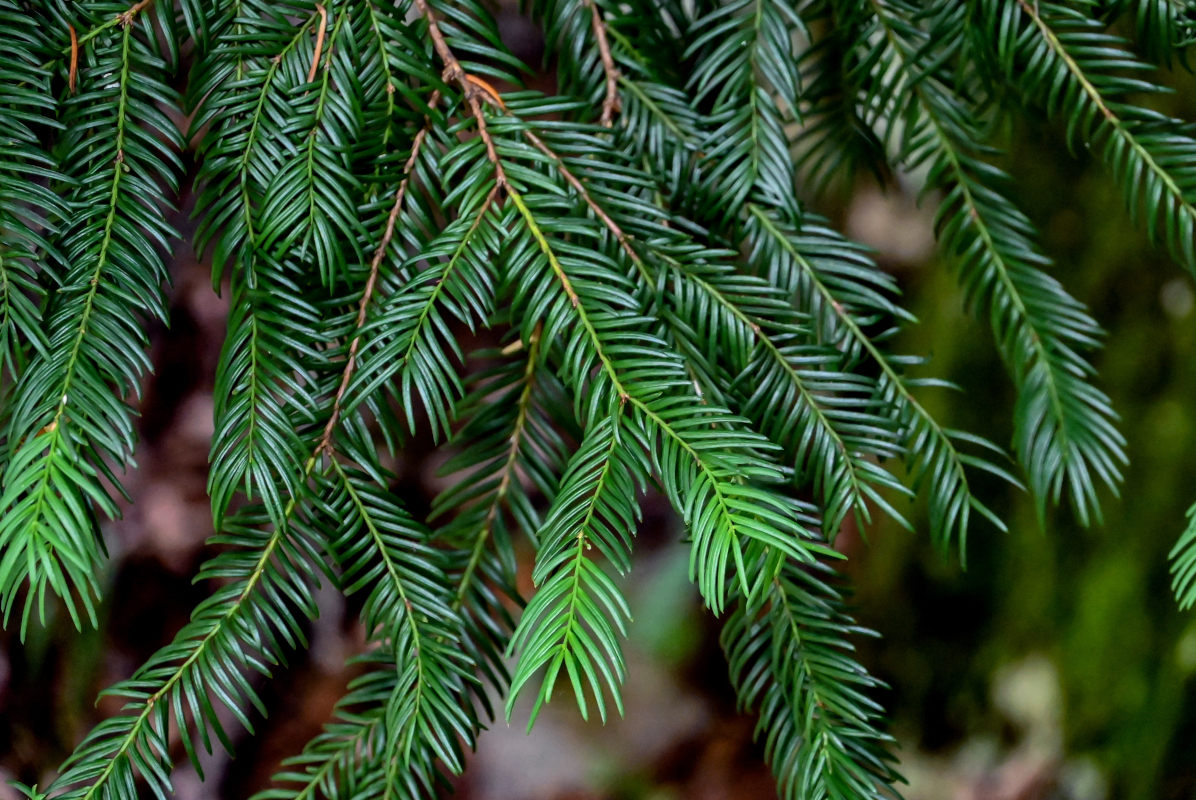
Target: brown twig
x=470, y=85
x=611, y=103
x=491, y=92
x=372, y=281
x=126, y=18
x=315, y=59
x=72, y=76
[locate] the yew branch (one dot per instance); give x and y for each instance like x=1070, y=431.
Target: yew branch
x=453, y=71
x=372, y=281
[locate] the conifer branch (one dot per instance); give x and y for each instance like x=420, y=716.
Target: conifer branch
x=118, y=755
x=69, y=425
x=1065, y=430
x=470, y=86
x=371, y=283
x=809, y=691
x=1150, y=155
x=576, y=605
x=506, y=473
x=932, y=451
x=858, y=474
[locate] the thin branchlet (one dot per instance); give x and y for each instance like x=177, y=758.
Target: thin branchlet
x=367, y=293
x=610, y=103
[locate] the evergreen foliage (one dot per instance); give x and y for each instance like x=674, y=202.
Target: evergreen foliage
x=583, y=296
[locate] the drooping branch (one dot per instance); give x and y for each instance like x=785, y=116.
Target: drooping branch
x=371, y=283
x=514, y=443
x=453, y=71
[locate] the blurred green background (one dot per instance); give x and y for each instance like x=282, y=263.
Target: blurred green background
x=1058, y=664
